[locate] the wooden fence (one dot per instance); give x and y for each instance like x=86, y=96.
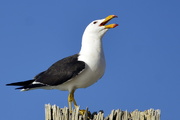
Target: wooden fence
x=53, y=112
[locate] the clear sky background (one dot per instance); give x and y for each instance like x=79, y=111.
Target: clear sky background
x=142, y=54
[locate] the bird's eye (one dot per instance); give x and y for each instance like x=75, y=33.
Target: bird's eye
x=94, y=22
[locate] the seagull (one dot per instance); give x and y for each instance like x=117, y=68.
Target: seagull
x=79, y=70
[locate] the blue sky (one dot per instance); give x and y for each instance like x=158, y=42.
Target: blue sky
x=142, y=54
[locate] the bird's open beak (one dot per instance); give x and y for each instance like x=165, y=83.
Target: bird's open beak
x=106, y=20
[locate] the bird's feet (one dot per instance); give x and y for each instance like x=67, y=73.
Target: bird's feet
x=82, y=112
x=85, y=113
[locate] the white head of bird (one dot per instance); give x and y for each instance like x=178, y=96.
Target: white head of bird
x=91, y=39
x=98, y=28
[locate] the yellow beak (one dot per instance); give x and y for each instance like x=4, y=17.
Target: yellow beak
x=106, y=20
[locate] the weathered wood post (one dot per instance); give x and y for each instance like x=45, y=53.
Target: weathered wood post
x=53, y=112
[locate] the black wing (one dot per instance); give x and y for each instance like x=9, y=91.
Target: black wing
x=61, y=71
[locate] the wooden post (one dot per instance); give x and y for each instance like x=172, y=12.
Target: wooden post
x=55, y=113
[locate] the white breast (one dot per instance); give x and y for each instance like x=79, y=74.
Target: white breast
x=95, y=67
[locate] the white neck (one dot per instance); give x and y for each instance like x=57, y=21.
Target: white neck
x=91, y=44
